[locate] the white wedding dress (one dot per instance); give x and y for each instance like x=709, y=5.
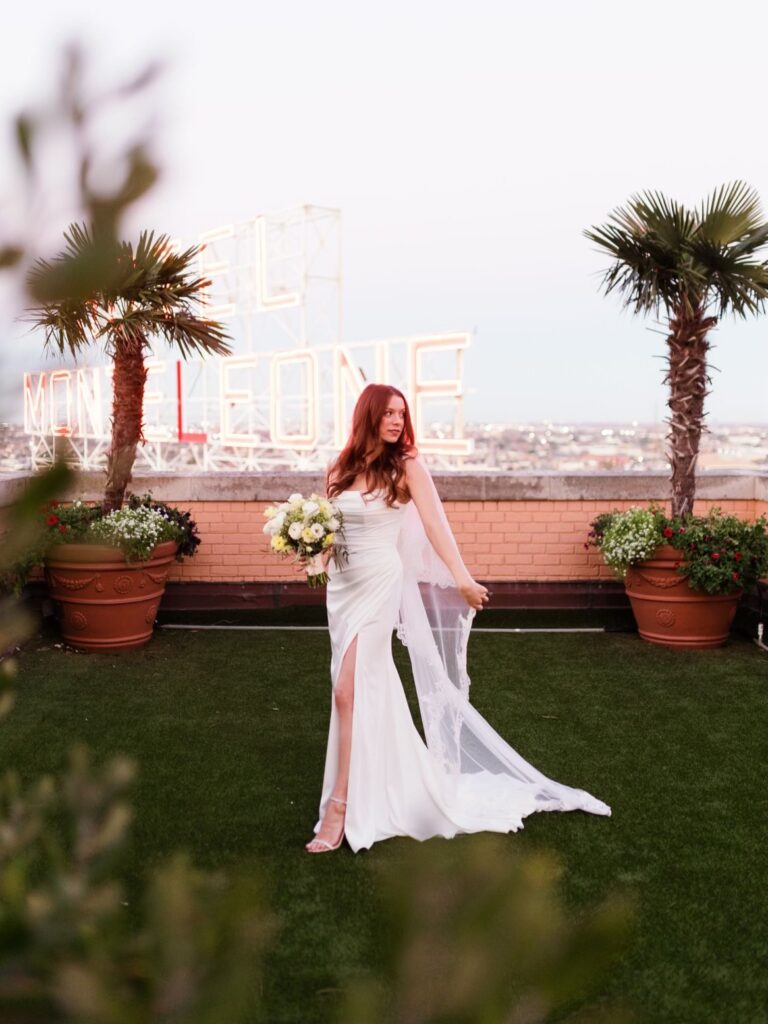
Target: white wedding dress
x=466, y=778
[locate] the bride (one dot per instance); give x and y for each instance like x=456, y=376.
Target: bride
x=404, y=570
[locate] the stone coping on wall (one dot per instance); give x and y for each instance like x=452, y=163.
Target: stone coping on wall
x=452, y=486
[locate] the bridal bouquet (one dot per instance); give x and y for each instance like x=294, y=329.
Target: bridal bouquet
x=305, y=527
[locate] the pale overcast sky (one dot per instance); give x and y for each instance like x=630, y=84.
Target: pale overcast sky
x=467, y=144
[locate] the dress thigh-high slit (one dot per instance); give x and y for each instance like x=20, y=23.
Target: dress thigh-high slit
x=344, y=693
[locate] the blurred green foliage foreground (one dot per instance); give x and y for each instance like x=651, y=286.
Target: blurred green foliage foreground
x=651, y=915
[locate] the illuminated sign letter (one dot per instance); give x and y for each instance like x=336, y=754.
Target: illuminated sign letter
x=60, y=406
x=422, y=388
x=306, y=440
x=231, y=398
x=382, y=362
x=344, y=373
x=210, y=268
x=34, y=403
x=280, y=298
x=89, y=419
x=158, y=431
x=181, y=433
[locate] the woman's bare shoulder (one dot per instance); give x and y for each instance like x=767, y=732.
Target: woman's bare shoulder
x=414, y=464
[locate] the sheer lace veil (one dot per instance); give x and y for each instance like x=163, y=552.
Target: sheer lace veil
x=434, y=623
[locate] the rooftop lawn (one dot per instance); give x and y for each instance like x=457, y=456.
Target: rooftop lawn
x=229, y=729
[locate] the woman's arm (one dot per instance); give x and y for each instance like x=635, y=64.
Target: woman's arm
x=427, y=501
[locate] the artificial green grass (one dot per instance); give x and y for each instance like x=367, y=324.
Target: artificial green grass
x=229, y=729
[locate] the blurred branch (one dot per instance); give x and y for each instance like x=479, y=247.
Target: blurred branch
x=69, y=949
x=474, y=933
x=72, y=115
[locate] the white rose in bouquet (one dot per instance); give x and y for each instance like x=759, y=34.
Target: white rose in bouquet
x=272, y=526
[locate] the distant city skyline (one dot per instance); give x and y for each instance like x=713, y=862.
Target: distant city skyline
x=467, y=147
x=530, y=447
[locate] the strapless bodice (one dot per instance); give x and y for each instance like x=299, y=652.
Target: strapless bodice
x=369, y=523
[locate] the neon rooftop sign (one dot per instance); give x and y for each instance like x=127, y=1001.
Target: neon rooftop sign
x=285, y=397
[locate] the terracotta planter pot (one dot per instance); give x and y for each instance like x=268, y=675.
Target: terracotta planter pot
x=668, y=612
x=107, y=604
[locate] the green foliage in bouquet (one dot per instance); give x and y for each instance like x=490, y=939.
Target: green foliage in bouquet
x=719, y=553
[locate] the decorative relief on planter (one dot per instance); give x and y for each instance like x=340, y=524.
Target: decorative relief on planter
x=151, y=615
x=665, y=617
x=159, y=578
x=122, y=584
x=72, y=584
x=76, y=620
x=663, y=582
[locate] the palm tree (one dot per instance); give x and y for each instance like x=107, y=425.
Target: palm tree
x=696, y=265
x=101, y=289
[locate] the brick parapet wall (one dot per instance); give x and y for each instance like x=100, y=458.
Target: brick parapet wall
x=499, y=540
x=508, y=526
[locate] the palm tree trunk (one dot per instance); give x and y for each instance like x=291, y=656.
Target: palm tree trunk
x=128, y=379
x=688, y=379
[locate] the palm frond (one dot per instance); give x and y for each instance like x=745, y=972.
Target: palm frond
x=666, y=256
x=137, y=292
x=729, y=213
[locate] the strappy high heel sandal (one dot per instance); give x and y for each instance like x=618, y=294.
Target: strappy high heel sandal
x=324, y=842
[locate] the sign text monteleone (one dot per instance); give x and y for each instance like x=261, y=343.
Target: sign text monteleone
x=285, y=396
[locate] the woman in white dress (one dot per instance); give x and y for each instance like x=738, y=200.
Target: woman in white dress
x=404, y=570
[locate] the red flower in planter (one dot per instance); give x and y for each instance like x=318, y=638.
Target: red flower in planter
x=668, y=531
x=715, y=555
x=737, y=555
x=62, y=528
x=735, y=576
x=51, y=520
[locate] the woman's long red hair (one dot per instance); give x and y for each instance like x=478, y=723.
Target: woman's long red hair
x=385, y=470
